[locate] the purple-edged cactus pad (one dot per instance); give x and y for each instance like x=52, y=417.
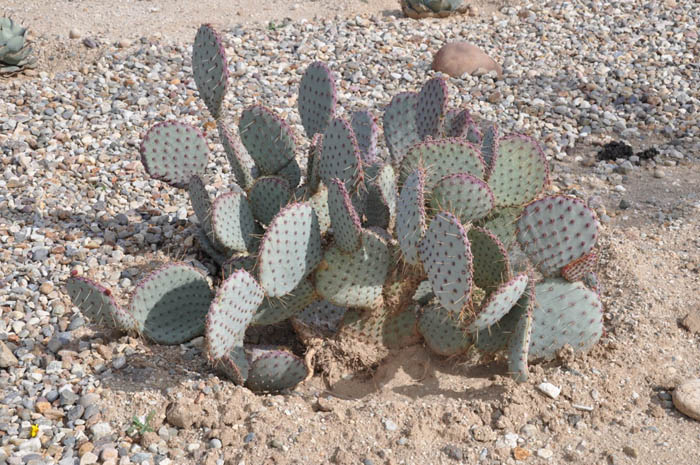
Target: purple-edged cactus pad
x=465, y=195
x=447, y=258
x=491, y=264
x=231, y=311
x=242, y=165
x=489, y=143
x=276, y=309
x=313, y=177
x=519, y=343
x=564, y=313
x=502, y=223
x=319, y=202
x=317, y=98
x=581, y=268
x=347, y=230
x=267, y=196
x=268, y=140
x=273, y=370
x=400, y=128
x=431, y=104
x=519, y=171
x=173, y=152
x=442, y=157
x=340, y=157
x=459, y=123
x=289, y=250
x=209, y=68
x=201, y=204
x=356, y=279
x=411, y=215
x=170, y=305
x=556, y=230
x=233, y=223
x=498, y=304
x=366, y=132
x=442, y=331
x=97, y=303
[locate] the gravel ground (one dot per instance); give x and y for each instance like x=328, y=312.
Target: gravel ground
x=73, y=195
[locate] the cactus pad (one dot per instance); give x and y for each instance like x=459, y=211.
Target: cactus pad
x=430, y=107
x=499, y=303
x=97, y=303
x=400, y=129
x=491, y=264
x=170, y=305
x=460, y=124
x=319, y=318
x=209, y=67
x=290, y=249
x=231, y=311
x=447, y=258
x=442, y=157
x=410, y=216
x=319, y=202
x=381, y=328
x=442, y=332
x=234, y=365
x=340, y=157
x=267, y=196
x=317, y=98
x=564, y=313
x=519, y=171
x=502, y=223
x=201, y=204
x=268, y=140
x=355, y=280
x=312, y=171
x=237, y=262
x=276, y=309
x=519, y=345
x=347, y=230
x=233, y=223
x=498, y=336
x=489, y=143
x=366, y=132
x=581, y=268
x=173, y=152
x=467, y=196
x=242, y=165
x=274, y=370
x=556, y=230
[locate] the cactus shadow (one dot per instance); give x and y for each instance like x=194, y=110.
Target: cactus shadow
x=416, y=373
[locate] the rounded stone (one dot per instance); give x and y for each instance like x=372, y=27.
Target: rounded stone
x=74, y=34
x=686, y=398
x=458, y=58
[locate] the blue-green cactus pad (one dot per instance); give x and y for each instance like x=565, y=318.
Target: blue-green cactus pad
x=273, y=370
x=502, y=223
x=276, y=309
x=319, y=202
x=430, y=107
x=519, y=347
x=442, y=157
x=381, y=199
x=242, y=165
x=447, y=259
x=519, y=171
x=459, y=123
x=347, y=230
x=173, y=152
x=234, y=365
x=411, y=216
x=313, y=177
x=489, y=143
x=209, y=68
x=564, y=313
x=356, y=279
x=556, y=230
x=269, y=141
x=267, y=196
x=289, y=250
x=201, y=204
x=366, y=132
x=170, y=305
x=317, y=98
x=231, y=311
x=97, y=303
x=467, y=196
x=233, y=223
x=498, y=303
x=318, y=318
x=400, y=129
x=491, y=264
x=340, y=155
x=442, y=331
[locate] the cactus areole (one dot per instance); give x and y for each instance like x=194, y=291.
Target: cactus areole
x=445, y=237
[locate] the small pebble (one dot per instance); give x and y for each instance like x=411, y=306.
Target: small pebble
x=549, y=390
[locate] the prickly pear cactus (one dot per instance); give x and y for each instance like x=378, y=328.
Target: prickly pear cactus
x=445, y=237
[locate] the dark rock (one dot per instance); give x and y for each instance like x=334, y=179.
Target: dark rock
x=453, y=452
x=615, y=150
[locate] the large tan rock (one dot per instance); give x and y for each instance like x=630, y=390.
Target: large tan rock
x=457, y=58
x=686, y=398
